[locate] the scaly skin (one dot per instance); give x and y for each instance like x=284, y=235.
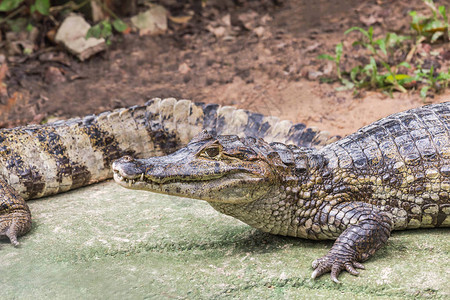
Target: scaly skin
x=393, y=174
x=42, y=160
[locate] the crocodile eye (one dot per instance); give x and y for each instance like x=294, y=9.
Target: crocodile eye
x=212, y=152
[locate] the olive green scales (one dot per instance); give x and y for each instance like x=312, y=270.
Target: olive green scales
x=390, y=175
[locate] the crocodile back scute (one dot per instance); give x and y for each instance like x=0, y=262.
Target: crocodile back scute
x=401, y=162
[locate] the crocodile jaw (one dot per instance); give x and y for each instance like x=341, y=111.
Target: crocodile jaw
x=232, y=188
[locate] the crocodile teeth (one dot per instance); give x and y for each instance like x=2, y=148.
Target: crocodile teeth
x=142, y=177
x=129, y=183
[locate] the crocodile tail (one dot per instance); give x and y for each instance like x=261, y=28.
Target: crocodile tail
x=40, y=160
x=185, y=119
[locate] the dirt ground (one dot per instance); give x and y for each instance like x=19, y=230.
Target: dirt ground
x=256, y=55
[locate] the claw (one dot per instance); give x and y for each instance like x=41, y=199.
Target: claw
x=11, y=233
x=15, y=224
x=316, y=274
x=13, y=240
x=315, y=263
x=329, y=263
x=350, y=268
x=335, y=270
x=334, y=278
x=358, y=265
x=319, y=269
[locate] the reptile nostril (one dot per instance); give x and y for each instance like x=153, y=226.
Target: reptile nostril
x=127, y=158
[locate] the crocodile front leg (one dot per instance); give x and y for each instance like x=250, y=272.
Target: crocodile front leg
x=15, y=216
x=365, y=230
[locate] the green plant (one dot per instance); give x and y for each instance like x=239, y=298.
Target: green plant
x=9, y=5
x=387, y=68
x=40, y=6
x=379, y=73
x=383, y=47
x=430, y=80
x=104, y=29
x=336, y=59
x=13, y=8
x=434, y=27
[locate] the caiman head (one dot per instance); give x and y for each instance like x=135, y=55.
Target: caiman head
x=225, y=169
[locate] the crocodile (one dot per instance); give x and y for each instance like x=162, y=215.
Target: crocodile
x=43, y=160
x=393, y=174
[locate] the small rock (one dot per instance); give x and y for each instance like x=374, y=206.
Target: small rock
x=184, y=68
x=72, y=33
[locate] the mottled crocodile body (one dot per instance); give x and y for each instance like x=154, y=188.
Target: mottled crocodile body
x=393, y=174
x=42, y=160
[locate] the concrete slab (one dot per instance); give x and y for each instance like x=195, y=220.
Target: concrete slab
x=107, y=242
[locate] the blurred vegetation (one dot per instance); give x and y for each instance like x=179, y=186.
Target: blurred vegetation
x=386, y=71
x=25, y=15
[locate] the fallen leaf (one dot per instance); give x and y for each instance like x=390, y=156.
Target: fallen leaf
x=227, y=20
x=313, y=47
x=152, y=21
x=259, y=31
x=180, y=19
x=370, y=20
x=11, y=103
x=217, y=31
x=328, y=68
x=313, y=75
x=54, y=75
x=265, y=19
x=248, y=19
x=3, y=71
x=446, y=55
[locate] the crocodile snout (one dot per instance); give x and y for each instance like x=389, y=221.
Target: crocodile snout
x=127, y=167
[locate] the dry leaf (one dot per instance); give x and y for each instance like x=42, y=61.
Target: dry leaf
x=217, y=31
x=152, y=21
x=180, y=19
x=259, y=31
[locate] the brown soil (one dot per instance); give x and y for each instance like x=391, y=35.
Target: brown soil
x=264, y=60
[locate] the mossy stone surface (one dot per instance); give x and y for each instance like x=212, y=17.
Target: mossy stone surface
x=107, y=242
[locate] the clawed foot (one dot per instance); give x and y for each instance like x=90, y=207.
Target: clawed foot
x=15, y=224
x=12, y=237
x=11, y=234
x=335, y=264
